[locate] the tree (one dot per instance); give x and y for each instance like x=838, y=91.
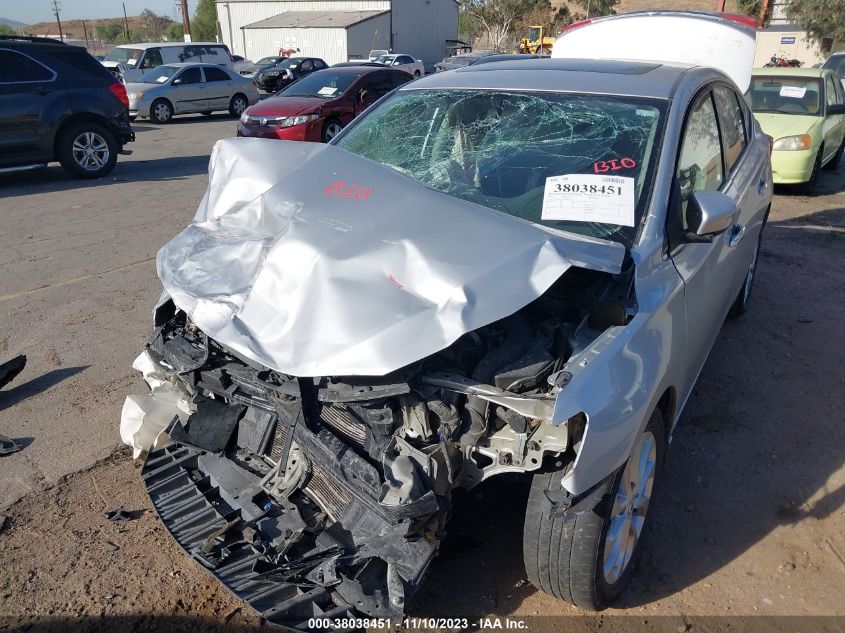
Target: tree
x=154, y=25
x=204, y=23
x=174, y=32
x=5, y=29
x=822, y=19
x=109, y=33
x=596, y=8
x=499, y=17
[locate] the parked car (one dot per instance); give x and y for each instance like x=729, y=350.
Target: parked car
x=803, y=110
x=249, y=70
x=57, y=103
x=506, y=57
x=186, y=88
x=376, y=53
x=407, y=63
x=130, y=61
x=286, y=71
x=319, y=106
x=239, y=63
x=519, y=268
x=356, y=63
x=459, y=61
x=836, y=63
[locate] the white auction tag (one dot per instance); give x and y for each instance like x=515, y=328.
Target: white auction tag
x=589, y=198
x=796, y=92
x=326, y=91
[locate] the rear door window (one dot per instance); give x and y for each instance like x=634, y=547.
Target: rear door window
x=213, y=73
x=18, y=68
x=732, y=123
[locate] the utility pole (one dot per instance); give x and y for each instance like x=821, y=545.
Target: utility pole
x=763, y=13
x=85, y=30
x=125, y=25
x=58, y=19
x=186, y=20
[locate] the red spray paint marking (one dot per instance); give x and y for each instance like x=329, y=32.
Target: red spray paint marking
x=614, y=164
x=342, y=189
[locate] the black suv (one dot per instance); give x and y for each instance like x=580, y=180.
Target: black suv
x=58, y=103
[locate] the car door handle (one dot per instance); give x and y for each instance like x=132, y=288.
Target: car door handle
x=762, y=186
x=737, y=233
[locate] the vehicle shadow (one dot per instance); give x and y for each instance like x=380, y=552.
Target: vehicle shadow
x=754, y=450
x=11, y=397
x=54, y=179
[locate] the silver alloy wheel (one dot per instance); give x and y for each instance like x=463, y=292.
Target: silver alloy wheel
x=238, y=105
x=162, y=112
x=627, y=516
x=90, y=151
x=332, y=130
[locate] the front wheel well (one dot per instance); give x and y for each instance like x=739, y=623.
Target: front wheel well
x=667, y=405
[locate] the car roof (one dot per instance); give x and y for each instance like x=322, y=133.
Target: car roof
x=790, y=72
x=146, y=45
x=356, y=70
x=637, y=79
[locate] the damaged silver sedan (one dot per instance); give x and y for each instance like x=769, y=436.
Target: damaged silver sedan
x=517, y=268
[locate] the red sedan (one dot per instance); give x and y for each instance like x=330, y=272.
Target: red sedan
x=320, y=105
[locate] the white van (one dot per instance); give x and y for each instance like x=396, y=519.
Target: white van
x=133, y=60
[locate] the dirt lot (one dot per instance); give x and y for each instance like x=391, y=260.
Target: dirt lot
x=750, y=521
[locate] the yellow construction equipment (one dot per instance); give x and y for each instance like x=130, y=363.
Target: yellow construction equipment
x=537, y=41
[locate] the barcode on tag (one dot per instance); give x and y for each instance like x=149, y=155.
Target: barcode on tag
x=617, y=181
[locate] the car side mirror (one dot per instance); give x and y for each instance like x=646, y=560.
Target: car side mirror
x=709, y=213
x=836, y=108
x=178, y=81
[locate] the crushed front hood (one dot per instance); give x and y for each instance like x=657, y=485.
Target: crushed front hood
x=316, y=262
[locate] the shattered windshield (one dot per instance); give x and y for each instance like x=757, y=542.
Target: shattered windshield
x=498, y=149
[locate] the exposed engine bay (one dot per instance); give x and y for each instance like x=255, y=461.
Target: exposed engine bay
x=329, y=496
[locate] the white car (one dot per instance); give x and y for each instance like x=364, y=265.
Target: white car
x=407, y=63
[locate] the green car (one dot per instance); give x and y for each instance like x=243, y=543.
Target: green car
x=803, y=110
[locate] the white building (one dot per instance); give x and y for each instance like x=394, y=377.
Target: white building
x=338, y=30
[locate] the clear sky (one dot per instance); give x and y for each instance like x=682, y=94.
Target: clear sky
x=32, y=11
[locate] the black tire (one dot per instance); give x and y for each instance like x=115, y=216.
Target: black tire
x=74, y=143
x=237, y=105
x=161, y=111
x=834, y=162
x=417, y=74
x=330, y=129
x=566, y=558
x=133, y=117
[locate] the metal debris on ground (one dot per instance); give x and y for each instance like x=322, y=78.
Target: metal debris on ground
x=8, y=445
x=118, y=514
x=10, y=369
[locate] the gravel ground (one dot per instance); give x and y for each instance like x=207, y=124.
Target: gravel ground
x=749, y=521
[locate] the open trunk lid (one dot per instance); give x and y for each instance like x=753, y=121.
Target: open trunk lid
x=725, y=42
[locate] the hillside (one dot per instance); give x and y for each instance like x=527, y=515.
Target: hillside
x=74, y=28
x=13, y=23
